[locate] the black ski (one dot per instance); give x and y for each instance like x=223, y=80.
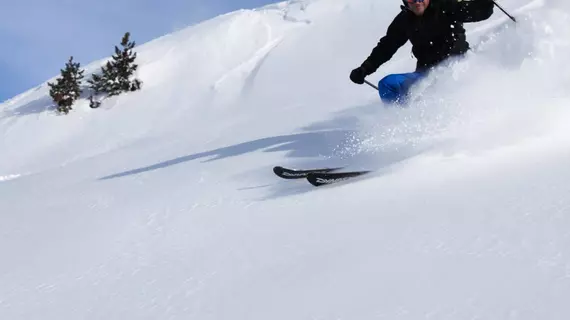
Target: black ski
x=319, y=179
x=286, y=173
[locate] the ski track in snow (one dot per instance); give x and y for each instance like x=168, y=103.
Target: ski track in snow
x=247, y=69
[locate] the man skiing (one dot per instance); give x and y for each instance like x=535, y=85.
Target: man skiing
x=435, y=29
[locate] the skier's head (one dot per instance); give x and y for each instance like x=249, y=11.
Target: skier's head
x=418, y=7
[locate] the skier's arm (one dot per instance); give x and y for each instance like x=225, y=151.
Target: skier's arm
x=387, y=46
x=471, y=10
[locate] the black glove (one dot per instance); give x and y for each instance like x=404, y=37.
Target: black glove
x=357, y=75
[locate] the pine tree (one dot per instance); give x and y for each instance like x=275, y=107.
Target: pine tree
x=67, y=87
x=117, y=75
x=125, y=66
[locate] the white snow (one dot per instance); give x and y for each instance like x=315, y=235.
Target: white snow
x=162, y=204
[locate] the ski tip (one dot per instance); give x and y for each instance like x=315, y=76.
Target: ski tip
x=288, y=174
x=278, y=170
x=313, y=180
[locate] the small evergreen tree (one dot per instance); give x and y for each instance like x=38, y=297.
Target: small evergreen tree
x=67, y=87
x=125, y=66
x=117, y=75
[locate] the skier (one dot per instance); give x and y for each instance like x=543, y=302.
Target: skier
x=435, y=29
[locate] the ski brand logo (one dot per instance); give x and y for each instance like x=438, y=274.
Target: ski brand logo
x=328, y=181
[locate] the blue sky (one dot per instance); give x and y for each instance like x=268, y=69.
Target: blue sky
x=38, y=36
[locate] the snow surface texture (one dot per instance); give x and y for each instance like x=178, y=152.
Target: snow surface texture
x=162, y=204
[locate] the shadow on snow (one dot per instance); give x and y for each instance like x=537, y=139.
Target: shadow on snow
x=334, y=142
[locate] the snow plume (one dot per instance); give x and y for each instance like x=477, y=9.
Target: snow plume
x=512, y=88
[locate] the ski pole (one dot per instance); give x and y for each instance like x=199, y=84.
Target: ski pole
x=504, y=11
x=370, y=84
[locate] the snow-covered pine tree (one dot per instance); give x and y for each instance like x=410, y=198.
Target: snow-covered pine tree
x=124, y=63
x=117, y=76
x=67, y=87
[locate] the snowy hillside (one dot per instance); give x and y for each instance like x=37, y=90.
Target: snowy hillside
x=162, y=204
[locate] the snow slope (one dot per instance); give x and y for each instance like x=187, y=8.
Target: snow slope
x=162, y=205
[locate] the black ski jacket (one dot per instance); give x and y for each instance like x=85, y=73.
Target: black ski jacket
x=435, y=36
